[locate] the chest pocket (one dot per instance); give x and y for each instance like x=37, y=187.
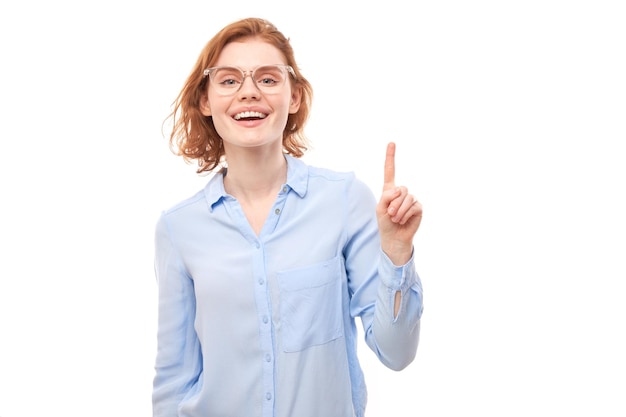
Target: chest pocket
x=310, y=305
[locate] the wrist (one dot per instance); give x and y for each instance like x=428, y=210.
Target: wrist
x=398, y=254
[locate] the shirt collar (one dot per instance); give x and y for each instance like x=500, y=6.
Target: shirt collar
x=297, y=180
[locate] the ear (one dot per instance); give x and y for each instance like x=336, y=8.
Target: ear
x=294, y=103
x=205, y=108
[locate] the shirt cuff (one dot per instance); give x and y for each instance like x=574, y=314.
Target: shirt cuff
x=396, y=278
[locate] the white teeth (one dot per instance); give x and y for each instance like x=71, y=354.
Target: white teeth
x=247, y=114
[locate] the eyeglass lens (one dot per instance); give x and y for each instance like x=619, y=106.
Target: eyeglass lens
x=228, y=80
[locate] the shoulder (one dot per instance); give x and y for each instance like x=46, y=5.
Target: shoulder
x=186, y=206
x=201, y=199
x=185, y=203
x=330, y=174
x=346, y=182
x=301, y=169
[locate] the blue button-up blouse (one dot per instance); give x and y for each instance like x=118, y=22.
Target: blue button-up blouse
x=265, y=325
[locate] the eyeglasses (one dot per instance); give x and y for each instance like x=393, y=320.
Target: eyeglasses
x=268, y=78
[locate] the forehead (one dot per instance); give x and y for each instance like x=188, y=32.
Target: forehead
x=250, y=53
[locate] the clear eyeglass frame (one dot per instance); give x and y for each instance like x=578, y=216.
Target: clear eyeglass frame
x=227, y=80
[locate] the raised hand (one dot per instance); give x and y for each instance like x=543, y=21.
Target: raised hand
x=399, y=214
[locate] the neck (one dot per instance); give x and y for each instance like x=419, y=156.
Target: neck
x=253, y=176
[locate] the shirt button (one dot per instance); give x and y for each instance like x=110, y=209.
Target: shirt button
x=261, y=281
x=268, y=358
x=268, y=396
x=265, y=319
x=277, y=211
x=284, y=189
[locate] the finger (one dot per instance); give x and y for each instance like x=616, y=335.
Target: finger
x=390, y=167
x=398, y=203
x=413, y=210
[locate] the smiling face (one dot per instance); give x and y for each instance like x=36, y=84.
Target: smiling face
x=250, y=117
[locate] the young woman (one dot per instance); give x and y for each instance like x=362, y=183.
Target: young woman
x=263, y=272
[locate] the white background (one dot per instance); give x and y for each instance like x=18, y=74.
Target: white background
x=510, y=122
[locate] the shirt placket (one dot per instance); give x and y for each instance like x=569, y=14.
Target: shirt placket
x=264, y=312
x=261, y=294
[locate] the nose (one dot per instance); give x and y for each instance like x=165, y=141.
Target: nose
x=248, y=89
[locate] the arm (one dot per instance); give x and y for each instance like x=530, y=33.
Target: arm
x=387, y=297
x=178, y=360
x=399, y=216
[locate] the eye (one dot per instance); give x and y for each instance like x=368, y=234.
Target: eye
x=229, y=81
x=267, y=81
x=269, y=76
x=227, y=77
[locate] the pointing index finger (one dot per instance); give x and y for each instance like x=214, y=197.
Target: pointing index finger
x=390, y=167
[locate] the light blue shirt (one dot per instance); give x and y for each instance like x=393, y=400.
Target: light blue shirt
x=264, y=326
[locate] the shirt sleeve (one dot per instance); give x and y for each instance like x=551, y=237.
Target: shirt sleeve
x=178, y=359
x=374, y=281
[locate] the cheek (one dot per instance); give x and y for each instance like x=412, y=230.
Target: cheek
x=216, y=105
x=219, y=123
x=285, y=110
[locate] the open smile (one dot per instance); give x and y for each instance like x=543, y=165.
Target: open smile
x=249, y=115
